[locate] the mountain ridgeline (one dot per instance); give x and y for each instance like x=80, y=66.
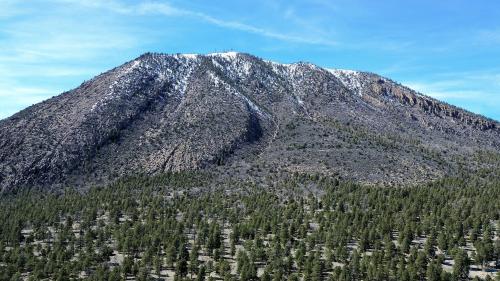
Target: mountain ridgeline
x=239, y=116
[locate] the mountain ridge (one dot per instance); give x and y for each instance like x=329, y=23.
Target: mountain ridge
x=160, y=113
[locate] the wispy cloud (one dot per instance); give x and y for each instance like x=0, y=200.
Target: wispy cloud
x=15, y=97
x=471, y=86
x=44, y=52
x=61, y=39
x=476, y=91
x=25, y=94
x=8, y=8
x=264, y=32
x=488, y=37
x=166, y=9
x=444, y=90
x=44, y=71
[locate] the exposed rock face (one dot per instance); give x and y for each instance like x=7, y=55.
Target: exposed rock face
x=162, y=113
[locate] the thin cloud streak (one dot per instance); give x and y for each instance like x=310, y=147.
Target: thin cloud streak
x=451, y=89
x=475, y=98
x=263, y=32
x=166, y=9
x=15, y=98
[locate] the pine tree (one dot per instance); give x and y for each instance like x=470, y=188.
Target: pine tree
x=181, y=268
x=433, y=272
x=461, y=265
x=201, y=273
x=245, y=267
x=193, y=260
x=317, y=267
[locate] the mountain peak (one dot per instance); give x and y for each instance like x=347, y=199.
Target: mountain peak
x=227, y=55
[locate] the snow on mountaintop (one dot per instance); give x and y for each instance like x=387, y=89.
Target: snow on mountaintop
x=226, y=55
x=188, y=56
x=236, y=66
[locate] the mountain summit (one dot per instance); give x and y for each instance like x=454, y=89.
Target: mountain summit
x=240, y=116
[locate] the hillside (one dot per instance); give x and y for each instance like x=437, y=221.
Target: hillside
x=239, y=116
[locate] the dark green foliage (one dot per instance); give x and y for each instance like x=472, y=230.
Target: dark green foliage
x=461, y=266
x=349, y=232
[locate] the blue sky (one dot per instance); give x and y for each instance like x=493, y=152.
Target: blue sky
x=449, y=50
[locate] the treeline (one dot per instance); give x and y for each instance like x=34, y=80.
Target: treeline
x=183, y=226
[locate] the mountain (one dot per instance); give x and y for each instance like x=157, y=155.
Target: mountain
x=242, y=117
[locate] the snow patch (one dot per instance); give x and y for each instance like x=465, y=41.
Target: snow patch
x=230, y=63
x=154, y=66
x=217, y=81
x=350, y=78
x=226, y=55
x=187, y=56
x=301, y=102
x=190, y=56
x=122, y=77
x=221, y=83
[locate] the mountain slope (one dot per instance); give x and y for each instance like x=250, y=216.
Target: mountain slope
x=240, y=116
